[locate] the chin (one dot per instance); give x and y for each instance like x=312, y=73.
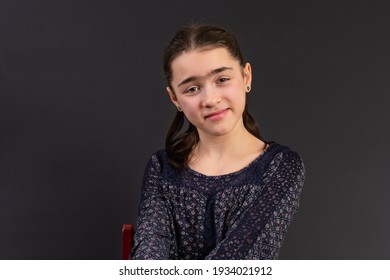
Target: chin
x=221, y=129
x=219, y=132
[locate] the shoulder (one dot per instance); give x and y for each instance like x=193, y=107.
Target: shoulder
x=285, y=166
x=158, y=162
x=281, y=156
x=276, y=150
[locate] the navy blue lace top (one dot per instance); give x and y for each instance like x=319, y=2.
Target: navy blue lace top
x=184, y=214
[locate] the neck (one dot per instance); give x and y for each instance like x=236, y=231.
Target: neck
x=223, y=154
x=225, y=146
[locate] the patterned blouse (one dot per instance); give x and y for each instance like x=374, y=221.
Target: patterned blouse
x=184, y=214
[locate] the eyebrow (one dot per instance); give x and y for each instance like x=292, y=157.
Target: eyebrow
x=210, y=74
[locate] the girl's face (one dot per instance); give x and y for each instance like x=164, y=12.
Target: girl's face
x=210, y=87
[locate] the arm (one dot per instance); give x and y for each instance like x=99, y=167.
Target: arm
x=152, y=239
x=260, y=231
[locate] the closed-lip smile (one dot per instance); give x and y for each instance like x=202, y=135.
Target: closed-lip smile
x=216, y=114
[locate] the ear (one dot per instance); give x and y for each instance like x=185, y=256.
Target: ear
x=247, y=74
x=172, y=96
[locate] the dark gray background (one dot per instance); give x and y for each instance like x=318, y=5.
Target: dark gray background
x=83, y=106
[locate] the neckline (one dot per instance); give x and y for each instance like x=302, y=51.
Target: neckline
x=234, y=173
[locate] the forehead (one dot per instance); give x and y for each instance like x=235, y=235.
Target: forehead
x=199, y=62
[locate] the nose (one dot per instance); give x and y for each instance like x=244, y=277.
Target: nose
x=211, y=97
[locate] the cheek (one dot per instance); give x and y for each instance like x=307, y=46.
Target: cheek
x=186, y=104
x=189, y=107
x=237, y=93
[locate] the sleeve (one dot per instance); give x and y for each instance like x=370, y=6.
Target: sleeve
x=152, y=239
x=259, y=233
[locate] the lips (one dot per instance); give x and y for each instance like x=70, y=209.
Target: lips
x=216, y=115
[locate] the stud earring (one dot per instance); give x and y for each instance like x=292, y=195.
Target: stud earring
x=248, y=88
x=179, y=109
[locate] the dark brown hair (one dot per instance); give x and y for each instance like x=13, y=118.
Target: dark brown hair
x=179, y=144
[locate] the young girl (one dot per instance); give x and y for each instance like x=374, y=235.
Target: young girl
x=217, y=191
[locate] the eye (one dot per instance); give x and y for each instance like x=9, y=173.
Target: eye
x=222, y=80
x=192, y=89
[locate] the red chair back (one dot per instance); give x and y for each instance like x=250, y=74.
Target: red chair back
x=127, y=240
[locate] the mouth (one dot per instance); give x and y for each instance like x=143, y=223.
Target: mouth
x=217, y=115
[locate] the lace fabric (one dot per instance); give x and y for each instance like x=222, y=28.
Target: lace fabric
x=184, y=214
